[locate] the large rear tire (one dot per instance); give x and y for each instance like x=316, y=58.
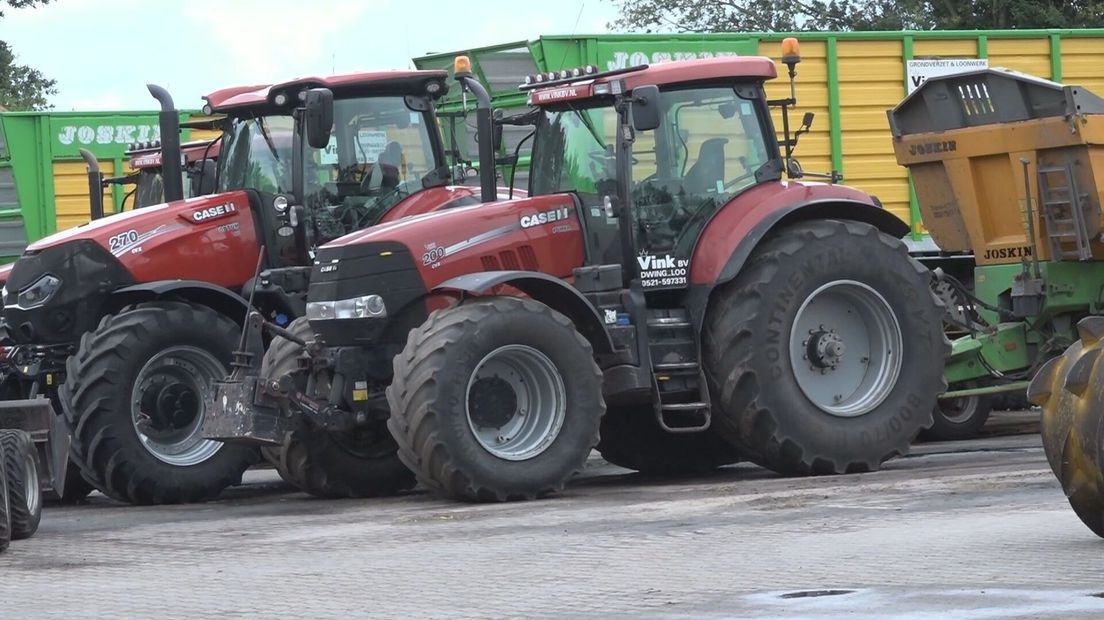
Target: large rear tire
x=24, y=485
x=1070, y=390
x=496, y=399
x=134, y=400
x=5, y=504
x=363, y=463
x=825, y=354
x=633, y=439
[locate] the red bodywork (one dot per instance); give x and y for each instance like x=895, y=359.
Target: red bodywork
x=738, y=219
x=211, y=238
x=486, y=237
x=490, y=237
x=679, y=72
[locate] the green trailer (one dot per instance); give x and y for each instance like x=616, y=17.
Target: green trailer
x=43, y=184
x=847, y=79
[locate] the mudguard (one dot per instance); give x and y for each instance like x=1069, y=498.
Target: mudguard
x=220, y=298
x=835, y=208
x=550, y=291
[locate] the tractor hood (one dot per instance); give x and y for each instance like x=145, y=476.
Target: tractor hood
x=61, y=282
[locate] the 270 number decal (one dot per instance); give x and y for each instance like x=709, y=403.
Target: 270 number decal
x=121, y=240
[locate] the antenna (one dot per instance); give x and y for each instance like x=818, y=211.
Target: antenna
x=578, y=17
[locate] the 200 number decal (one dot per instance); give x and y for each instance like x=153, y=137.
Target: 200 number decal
x=123, y=239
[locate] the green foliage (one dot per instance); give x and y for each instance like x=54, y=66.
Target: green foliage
x=22, y=87
x=843, y=15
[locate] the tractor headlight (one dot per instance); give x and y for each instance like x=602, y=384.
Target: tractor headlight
x=38, y=293
x=364, y=307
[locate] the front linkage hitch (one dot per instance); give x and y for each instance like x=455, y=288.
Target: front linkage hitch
x=248, y=408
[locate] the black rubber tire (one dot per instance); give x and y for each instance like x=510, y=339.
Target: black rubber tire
x=759, y=405
x=96, y=397
x=5, y=505
x=945, y=429
x=632, y=438
x=1070, y=390
x=429, y=401
x=76, y=487
x=19, y=453
x=316, y=462
x=1011, y=401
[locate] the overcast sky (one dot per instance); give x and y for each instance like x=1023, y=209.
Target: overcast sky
x=103, y=52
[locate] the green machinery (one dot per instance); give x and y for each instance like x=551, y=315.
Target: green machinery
x=1010, y=168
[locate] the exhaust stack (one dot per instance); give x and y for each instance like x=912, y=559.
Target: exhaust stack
x=95, y=184
x=169, y=120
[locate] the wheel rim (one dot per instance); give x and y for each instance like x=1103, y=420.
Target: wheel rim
x=515, y=402
x=167, y=405
x=30, y=484
x=959, y=410
x=845, y=348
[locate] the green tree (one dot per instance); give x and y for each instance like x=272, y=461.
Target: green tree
x=22, y=87
x=797, y=15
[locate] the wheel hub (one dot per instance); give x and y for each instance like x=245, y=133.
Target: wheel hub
x=826, y=349
x=845, y=348
x=167, y=407
x=492, y=401
x=170, y=406
x=516, y=402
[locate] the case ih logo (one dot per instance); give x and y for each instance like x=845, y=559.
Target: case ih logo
x=545, y=217
x=211, y=213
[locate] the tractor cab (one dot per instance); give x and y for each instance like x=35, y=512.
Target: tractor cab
x=712, y=139
x=373, y=143
x=198, y=156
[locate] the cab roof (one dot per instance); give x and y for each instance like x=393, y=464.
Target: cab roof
x=665, y=73
x=261, y=96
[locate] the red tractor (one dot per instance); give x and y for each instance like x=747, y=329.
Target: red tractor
x=125, y=322
x=660, y=294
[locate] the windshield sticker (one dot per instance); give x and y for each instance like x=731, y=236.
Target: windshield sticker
x=662, y=271
x=328, y=155
x=370, y=143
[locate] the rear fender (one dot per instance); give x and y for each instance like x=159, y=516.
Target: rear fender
x=835, y=209
x=548, y=290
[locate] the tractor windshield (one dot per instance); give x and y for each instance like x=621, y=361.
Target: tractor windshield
x=379, y=152
x=707, y=149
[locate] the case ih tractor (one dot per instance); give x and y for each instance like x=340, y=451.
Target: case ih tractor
x=125, y=322
x=661, y=293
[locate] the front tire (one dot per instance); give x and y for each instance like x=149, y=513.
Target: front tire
x=633, y=439
x=24, y=484
x=363, y=463
x=134, y=400
x=496, y=399
x=825, y=354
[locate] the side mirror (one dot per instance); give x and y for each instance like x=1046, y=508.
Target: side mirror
x=496, y=130
x=807, y=121
x=203, y=178
x=318, y=119
x=645, y=108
